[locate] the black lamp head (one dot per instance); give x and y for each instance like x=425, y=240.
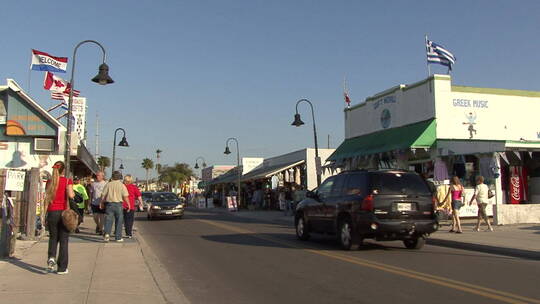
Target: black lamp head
x=103, y=77
x=123, y=142
x=227, y=151
x=121, y=167
x=196, y=166
x=204, y=165
x=297, y=121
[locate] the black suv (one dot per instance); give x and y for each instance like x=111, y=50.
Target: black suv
x=384, y=205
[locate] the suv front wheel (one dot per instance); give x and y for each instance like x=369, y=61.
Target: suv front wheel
x=346, y=237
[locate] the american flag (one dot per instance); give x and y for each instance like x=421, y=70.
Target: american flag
x=57, y=95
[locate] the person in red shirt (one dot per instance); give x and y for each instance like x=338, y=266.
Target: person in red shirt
x=129, y=211
x=59, y=188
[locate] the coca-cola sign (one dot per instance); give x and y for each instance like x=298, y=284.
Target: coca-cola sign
x=515, y=188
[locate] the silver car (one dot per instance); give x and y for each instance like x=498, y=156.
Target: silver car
x=164, y=204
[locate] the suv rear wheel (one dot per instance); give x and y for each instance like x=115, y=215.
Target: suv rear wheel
x=346, y=236
x=301, y=229
x=415, y=243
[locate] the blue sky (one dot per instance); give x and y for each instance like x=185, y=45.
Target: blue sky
x=190, y=74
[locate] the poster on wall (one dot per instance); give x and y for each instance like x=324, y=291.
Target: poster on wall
x=15, y=180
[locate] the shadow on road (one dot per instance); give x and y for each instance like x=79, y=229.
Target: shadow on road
x=511, y=252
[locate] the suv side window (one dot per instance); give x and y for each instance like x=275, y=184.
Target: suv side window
x=325, y=189
x=356, y=184
x=339, y=184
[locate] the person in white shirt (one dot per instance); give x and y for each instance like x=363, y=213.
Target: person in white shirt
x=482, y=200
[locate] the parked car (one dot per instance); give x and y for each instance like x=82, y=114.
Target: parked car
x=164, y=204
x=146, y=196
x=384, y=205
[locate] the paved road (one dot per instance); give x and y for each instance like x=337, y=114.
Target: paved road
x=222, y=258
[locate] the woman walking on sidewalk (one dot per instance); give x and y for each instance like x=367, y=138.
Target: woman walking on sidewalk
x=482, y=200
x=129, y=210
x=59, y=188
x=456, y=191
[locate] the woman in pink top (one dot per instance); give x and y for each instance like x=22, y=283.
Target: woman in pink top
x=456, y=191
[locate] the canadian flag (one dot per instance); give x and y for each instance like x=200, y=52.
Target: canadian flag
x=58, y=86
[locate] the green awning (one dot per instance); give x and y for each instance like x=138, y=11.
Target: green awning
x=417, y=135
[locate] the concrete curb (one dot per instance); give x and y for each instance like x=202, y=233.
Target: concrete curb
x=170, y=292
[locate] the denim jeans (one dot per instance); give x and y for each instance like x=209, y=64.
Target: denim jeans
x=113, y=211
x=129, y=216
x=58, y=235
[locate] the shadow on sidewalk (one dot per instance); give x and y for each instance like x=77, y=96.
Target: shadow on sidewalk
x=30, y=267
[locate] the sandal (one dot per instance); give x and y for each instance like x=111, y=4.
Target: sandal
x=476, y=229
x=452, y=230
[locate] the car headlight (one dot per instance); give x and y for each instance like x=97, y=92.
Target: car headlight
x=156, y=207
x=180, y=206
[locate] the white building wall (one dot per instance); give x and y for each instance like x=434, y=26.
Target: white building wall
x=310, y=166
x=405, y=104
x=495, y=116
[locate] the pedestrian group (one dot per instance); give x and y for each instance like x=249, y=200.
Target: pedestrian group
x=110, y=202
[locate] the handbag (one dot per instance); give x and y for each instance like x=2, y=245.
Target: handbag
x=491, y=193
x=70, y=218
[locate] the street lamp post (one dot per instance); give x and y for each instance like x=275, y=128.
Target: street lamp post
x=123, y=143
x=102, y=78
x=121, y=167
x=297, y=123
x=197, y=162
x=228, y=151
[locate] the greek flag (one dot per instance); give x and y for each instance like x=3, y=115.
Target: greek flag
x=436, y=53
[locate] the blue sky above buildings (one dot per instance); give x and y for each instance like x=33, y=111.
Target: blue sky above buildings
x=190, y=74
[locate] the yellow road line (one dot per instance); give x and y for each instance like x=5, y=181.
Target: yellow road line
x=437, y=280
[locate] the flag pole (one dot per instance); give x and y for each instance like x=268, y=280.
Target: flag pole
x=427, y=61
x=29, y=72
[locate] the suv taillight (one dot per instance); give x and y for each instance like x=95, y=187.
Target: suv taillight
x=367, y=203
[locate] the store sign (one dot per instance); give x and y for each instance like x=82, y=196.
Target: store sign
x=15, y=180
x=468, y=103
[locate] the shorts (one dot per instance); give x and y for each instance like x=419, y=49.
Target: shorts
x=482, y=210
x=456, y=204
x=96, y=209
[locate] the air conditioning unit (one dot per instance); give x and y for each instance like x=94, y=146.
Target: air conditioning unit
x=44, y=144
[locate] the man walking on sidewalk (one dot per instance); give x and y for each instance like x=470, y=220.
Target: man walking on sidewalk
x=95, y=193
x=114, y=195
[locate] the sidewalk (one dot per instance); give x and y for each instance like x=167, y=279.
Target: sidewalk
x=98, y=273
x=513, y=240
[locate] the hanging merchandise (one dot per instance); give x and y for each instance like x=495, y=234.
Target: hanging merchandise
x=297, y=175
x=440, y=171
x=485, y=163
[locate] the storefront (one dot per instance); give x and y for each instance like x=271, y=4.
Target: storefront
x=442, y=130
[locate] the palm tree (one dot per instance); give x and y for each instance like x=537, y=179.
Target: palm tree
x=175, y=175
x=103, y=162
x=147, y=164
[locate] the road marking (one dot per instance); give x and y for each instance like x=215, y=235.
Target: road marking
x=437, y=280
